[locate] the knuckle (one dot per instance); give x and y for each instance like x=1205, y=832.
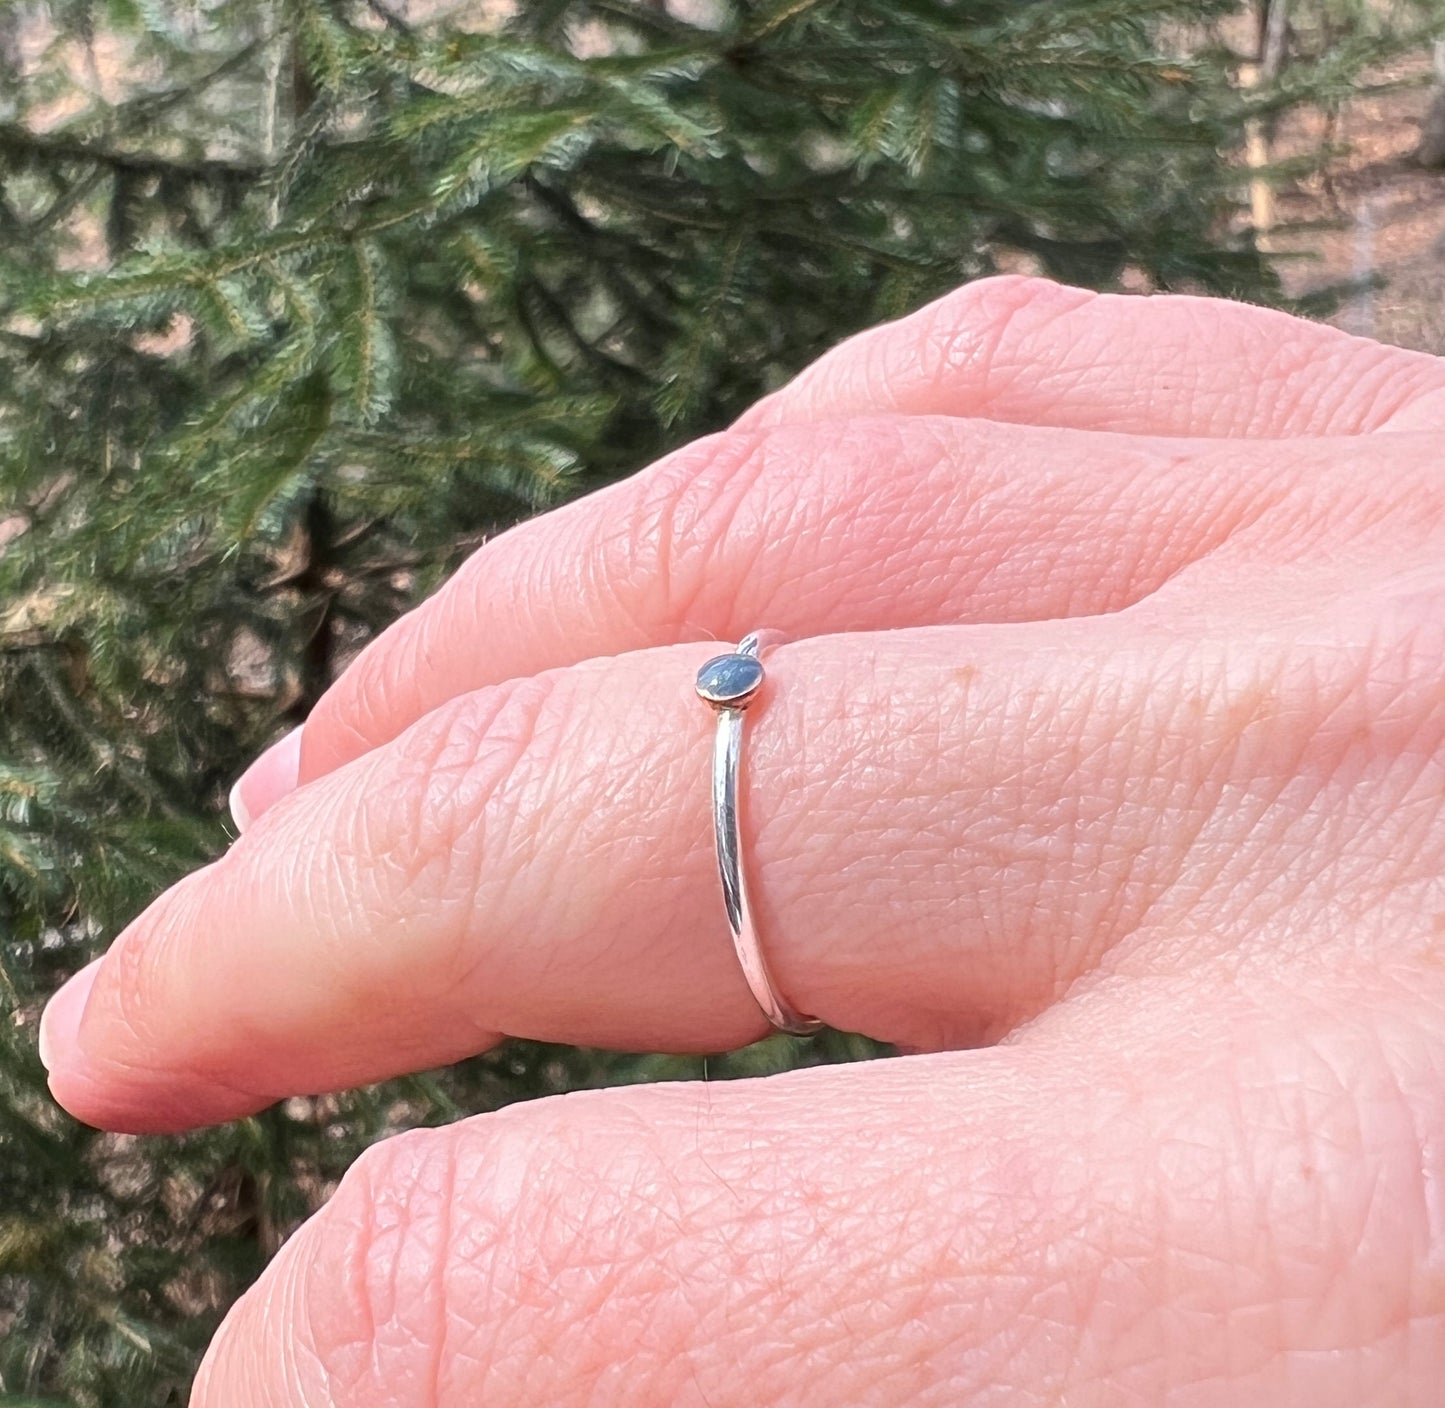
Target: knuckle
x=996, y=298
x=372, y=1298
x=480, y=1243
x=454, y=795
x=140, y=962
x=697, y=511
x=734, y=526
x=142, y=981
x=968, y=331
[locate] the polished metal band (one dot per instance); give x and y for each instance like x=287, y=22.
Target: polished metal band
x=729, y=683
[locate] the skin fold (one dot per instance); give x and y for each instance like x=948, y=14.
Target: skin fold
x=1104, y=768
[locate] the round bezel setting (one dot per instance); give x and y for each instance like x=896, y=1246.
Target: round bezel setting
x=730, y=681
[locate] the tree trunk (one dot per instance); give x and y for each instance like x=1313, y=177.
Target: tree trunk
x=1431, y=151
x=1272, y=31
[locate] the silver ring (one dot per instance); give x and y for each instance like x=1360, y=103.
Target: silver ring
x=728, y=684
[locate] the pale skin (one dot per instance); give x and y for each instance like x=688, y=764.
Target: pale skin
x=1105, y=770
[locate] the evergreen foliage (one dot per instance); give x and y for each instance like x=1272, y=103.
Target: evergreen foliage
x=322, y=292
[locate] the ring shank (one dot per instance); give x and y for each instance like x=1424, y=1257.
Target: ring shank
x=727, y=777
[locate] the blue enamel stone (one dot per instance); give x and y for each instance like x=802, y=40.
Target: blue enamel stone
x=729, y=681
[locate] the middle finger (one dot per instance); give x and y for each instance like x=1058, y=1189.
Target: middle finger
x=865, y=524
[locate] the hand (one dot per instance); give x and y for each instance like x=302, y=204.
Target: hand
x=1111, y=741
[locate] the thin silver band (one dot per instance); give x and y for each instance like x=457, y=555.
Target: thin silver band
x=729, y=683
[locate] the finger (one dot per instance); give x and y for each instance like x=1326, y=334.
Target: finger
x=273, y=774
x=1229, y=1201
x=682, y=550
x=947, y=828
x=859, y=525
x=1040, y=353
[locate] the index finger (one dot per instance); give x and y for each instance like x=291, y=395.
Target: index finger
x=1039, y=353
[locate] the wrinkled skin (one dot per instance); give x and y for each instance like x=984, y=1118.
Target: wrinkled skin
x=1105, y=771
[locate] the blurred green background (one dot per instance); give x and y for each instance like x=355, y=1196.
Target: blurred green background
x=302, y=299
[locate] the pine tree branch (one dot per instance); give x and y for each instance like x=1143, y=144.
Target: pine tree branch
x=606, y=363
x=613, y=257
x=140, y=112
x=20, y=143
x=68, y=200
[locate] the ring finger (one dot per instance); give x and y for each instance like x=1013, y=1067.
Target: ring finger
x=1009, y=805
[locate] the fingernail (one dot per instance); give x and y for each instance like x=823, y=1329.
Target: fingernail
x=267, y=780
x=60, y=1022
